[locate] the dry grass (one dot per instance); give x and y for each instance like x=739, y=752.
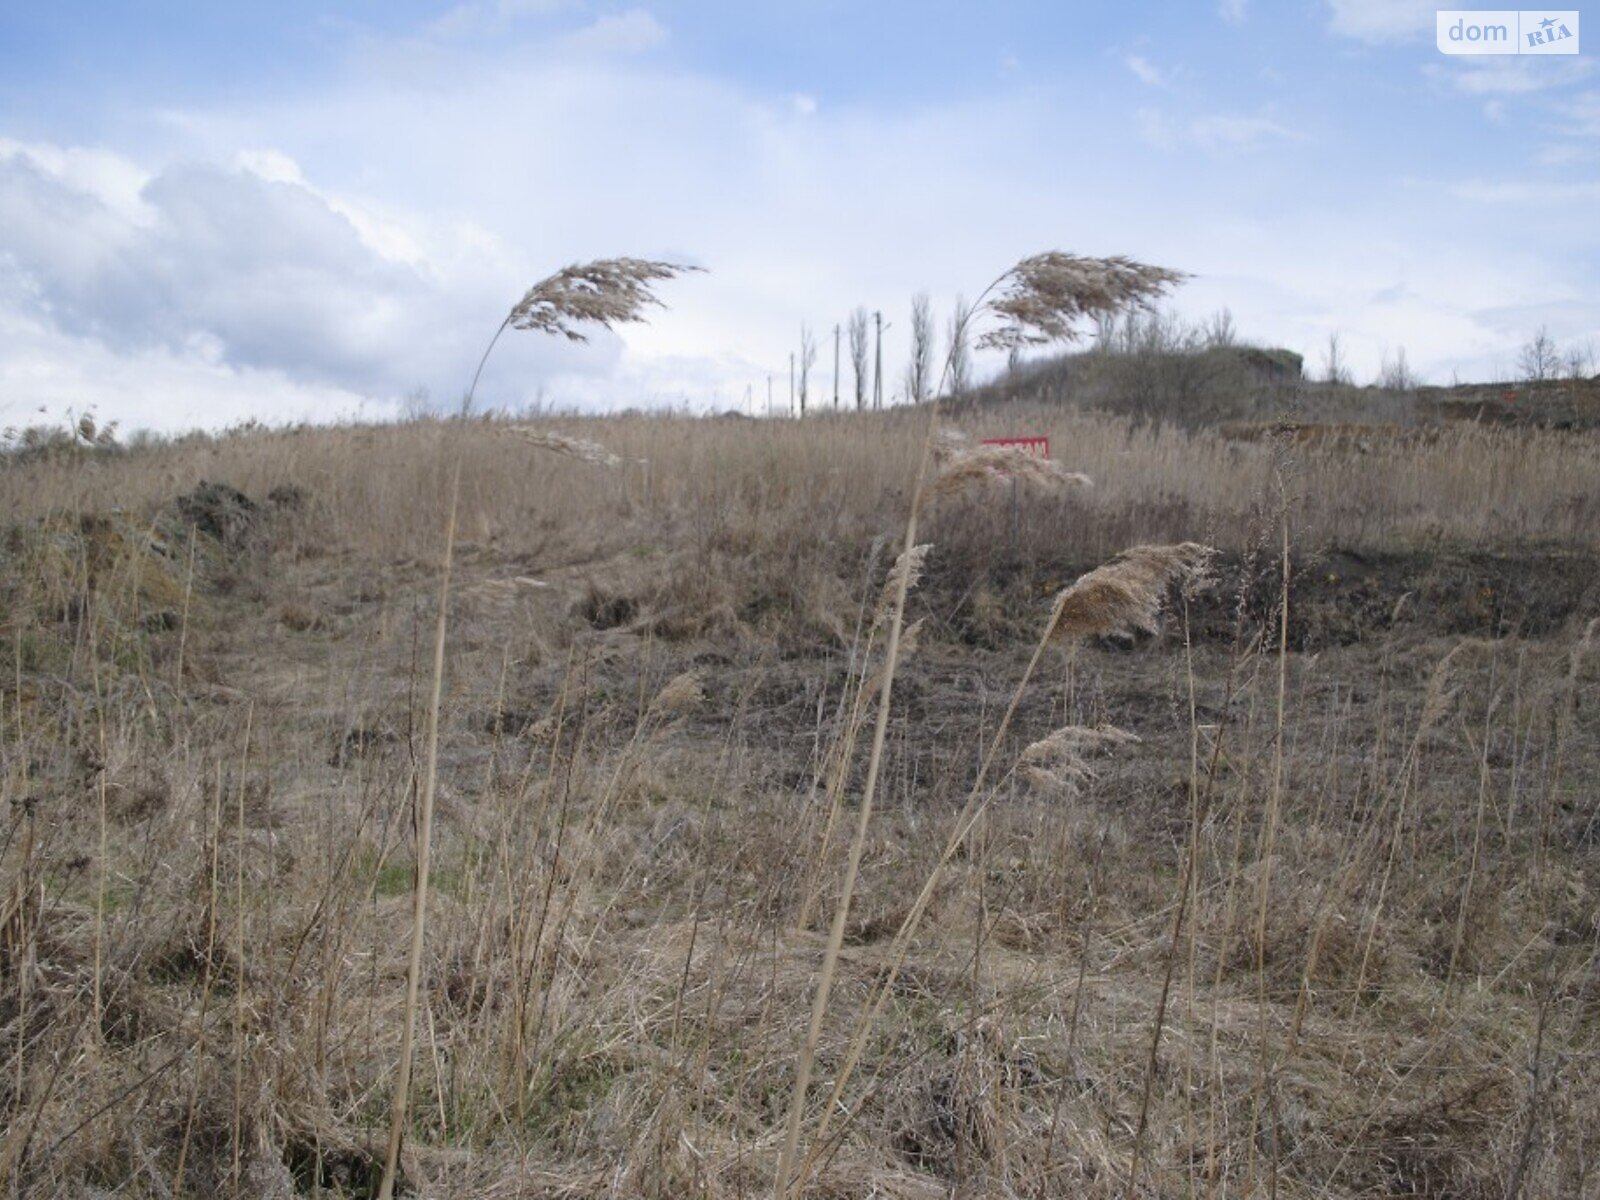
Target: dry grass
x=380, y=487
x=1327, y=928
x=964, y=468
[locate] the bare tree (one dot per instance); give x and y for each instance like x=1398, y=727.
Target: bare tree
x=808, y=359
x=836, y=368
x=1334, y=368
x=1394, y=372
x=877, y=363
x=921, y=364
x=959, y=364
x=1539, y=359
x=1105, y=331
x=1219, y=329
x=1580, y=362
x=856, y=327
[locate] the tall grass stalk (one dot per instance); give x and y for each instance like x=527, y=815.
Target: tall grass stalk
x=419, y=889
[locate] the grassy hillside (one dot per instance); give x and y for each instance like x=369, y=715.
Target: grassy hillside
x=1326, y=924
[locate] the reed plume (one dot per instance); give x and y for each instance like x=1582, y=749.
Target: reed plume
x=1059, y=763
x=682, y=693
x=571, y=447
x=1126, y=594
x=909, y=563
x=93, y=434
x=1042, y=298
x=606, y=292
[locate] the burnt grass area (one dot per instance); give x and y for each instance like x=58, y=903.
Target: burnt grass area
x=1336, y=597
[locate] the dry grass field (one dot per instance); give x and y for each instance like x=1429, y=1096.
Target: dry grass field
x=1325, y=922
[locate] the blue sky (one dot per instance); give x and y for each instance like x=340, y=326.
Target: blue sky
x=216, y=212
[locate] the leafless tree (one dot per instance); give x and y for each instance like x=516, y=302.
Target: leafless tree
x=1219, y=328
x=1580, y=362
x=1394, y=372
x=1539, y=359
x=1334, y=368
x=808, y=359
x=856, y=327
x=960, y=361
x=1105, y=332
x=921, y=365
x=877, y=361
x=836, y=368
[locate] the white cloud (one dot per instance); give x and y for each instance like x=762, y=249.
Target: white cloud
x=1233, y=11
x=249, y=276
x=630, y=32
x=1232, y=130
x=1508, y=75
x=476, y=17
x=1216, y=132
x=1582, y=113
x=114, y=180
x=47, y=375
x=272, y=165
x=269, y=269
x=804, y=105
x=1146, y=71
x=1524, y=191
x=1383, y=20
x=1564, y=154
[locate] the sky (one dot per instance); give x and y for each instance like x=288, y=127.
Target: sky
x=312, y=211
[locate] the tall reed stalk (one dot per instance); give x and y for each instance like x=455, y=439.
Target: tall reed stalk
x=419, y=886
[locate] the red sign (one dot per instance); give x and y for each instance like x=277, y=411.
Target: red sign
x=1033, y=445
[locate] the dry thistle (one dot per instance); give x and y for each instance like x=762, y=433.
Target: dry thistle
x=572, y=447
x=1126, y=594
x=1043, y=296
x=606, y=292
x=1059, y=763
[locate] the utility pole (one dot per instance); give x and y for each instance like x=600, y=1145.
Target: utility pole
x=769, y=393
x=877, y=368
x=791, y=383
x=835, y=368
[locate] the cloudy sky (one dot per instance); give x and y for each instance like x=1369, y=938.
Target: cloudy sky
x=313, y=209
